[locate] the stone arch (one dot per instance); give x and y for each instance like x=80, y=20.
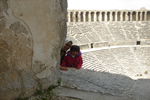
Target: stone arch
x=148, y=16
x=76, y=16
x=113, y=16
x=86, y=16
x=98, y=16
x=81, y=16
x=103, y=16
x=129, y=16
x=118, y=16
x=108, y=16
x=143, y=16
x=134, y=16
x=71, y=16
x=92, y=16
x=138, y=16
x=124, y=16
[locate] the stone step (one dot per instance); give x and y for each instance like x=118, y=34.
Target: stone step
x=90, y=85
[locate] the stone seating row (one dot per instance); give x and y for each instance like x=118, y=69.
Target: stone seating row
x=124, y=60
x=110, y=32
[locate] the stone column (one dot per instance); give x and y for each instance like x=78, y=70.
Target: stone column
x=100, y=16
x=105, y=16
x=110, y=16
x=74, y=16
x=89, y=16
x=79, y=16
x=121, y=16
x=136, y=16
x=84, y=16
x=116, y=15
x=126, y=16
x=145, y=16
x=94, y=15
x=68, y=16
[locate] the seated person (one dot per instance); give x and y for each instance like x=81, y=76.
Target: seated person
x=68, y=44
x=73, y=59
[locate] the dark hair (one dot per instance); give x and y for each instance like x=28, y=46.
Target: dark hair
x=75, y=48
x=71, y=42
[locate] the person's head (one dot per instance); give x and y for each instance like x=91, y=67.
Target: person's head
x=74, y=50
x=68, y=44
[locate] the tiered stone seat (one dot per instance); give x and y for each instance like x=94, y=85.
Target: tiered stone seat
x=101, y=60
x=143, y=55
x=91, y=34
x=71, y=34
x=103, y=32
x=120, y=60
x=107, y=59
x=129, y=61
x=129, y=29
x=144, y=30
x=115, y=33
x=91, y=62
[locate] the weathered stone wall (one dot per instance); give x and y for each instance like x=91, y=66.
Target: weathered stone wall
x=31, y=33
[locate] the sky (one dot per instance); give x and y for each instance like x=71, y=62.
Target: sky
x=108, y=4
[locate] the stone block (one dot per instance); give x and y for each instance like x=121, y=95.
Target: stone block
x=100, y=44
x=85, y=46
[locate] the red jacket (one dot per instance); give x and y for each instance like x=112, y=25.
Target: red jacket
x=75, y=62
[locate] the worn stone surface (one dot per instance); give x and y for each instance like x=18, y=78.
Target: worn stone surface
x=92, y=85
x=30, y=40
x=4, y=56
x=86, y=95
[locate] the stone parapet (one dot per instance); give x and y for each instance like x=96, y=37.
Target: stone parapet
x=112, y=15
